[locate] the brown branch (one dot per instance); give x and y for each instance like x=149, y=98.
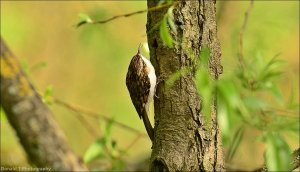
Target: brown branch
x=86, y=124
x=125, y=15
x=133, y=142
x=242, y=31
x=82, y=120
x=95, y=115
x=38, y=133
x=79, y=111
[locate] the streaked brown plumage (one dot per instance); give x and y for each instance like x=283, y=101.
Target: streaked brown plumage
x=139, y=81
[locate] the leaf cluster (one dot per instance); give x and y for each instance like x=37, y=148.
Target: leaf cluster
x=166, y=23
x=245, y=101
x=106, y=152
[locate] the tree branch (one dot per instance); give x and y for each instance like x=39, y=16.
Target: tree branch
x=125, y=15
x=95, y=115
x=241, y=38
x=39, y=134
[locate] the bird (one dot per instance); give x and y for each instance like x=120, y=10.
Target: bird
x=141, y=83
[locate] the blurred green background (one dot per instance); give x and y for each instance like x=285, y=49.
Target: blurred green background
x=87, y=66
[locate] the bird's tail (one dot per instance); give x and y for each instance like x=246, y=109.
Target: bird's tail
x=148, y=125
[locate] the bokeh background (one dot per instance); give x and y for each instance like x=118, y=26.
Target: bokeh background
x=87, y=66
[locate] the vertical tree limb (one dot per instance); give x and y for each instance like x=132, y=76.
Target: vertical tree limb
x=182, y=142
x=38, y=133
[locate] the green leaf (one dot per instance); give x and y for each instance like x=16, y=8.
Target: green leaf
x=224, y=121
x=269, y=75
x=205, y=87
x=277, y=93
x=277, y=153
x=204, y=57
x=160, y=2
x=171, y=19
x=114, y=150
x=164, y=32
x=228, y=92
x=2, y=115
x=238, y=136
x=85, y=17
x=206, y=105
x=48, y=91
x=172, y=25
x=274, y=63
x=108, y=128
x=47, y=97
x=254, y=103
x=287, y=123
x=25, y=67
x=95, y=151
x=203, y=79
x=258, y=60
x=271, y=70
x=292, y=101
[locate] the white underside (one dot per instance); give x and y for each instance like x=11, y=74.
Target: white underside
x=152, y=78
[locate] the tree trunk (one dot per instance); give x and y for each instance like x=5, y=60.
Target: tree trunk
x=32, y=120
x=182, y=141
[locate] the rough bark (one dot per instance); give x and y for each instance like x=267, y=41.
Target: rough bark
x=32, y=120
x=183, y=142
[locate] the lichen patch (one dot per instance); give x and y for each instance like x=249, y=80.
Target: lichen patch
x=9, y=68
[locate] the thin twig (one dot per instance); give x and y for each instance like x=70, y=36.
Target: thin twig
x=242, y=31
x=282, y=112
x=79, y=116
x=126, y=15
x=96, y=116
x=85, y=123
x=133, y=142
